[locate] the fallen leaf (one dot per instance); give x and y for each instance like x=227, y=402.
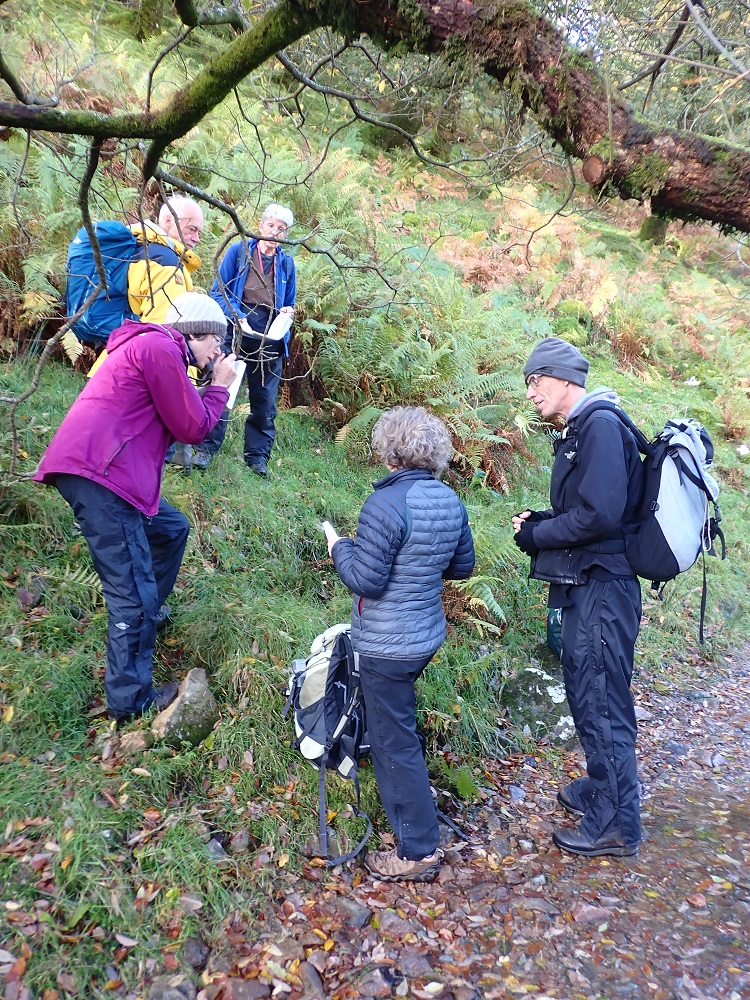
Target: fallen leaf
x=126, y=942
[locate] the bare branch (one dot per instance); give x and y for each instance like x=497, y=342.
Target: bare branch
x=17, y=88
x=717, y=44
x=654, y=70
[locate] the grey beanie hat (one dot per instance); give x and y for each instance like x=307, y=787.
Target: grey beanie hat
x=556, y=357
x=196, y=315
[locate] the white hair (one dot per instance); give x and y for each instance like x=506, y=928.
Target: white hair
x=279, y=212
x=176, y=204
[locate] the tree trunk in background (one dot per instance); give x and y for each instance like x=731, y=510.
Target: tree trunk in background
x=654, y=230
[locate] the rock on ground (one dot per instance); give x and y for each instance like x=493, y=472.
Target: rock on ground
x=191, y=716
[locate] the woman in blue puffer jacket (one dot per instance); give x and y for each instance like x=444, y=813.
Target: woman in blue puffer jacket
x=412, y=533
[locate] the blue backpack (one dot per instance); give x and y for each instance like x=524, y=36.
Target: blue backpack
x=110, y=308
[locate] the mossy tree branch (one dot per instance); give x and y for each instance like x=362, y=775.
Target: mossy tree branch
x=684, y=175
x=191, y=17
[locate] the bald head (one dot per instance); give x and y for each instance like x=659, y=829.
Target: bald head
x=181, y=218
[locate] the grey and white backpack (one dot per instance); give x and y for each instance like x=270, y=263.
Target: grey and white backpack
x=329, y=718
x=678, y=517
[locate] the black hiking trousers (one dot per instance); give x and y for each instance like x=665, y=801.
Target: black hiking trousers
x=396, y=750
x=599, y=630
x=137, y=559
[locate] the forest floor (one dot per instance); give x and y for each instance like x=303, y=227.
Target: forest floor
x=510, y=915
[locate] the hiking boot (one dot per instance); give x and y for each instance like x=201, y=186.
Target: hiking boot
x=182, y=456
x=164, y=695
x=201, y=460
x=163, y=617
x=577, y=796
x=389, y=867
x=575, y=842
x=259, y=467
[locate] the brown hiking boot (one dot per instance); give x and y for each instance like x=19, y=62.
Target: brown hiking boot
x=389, y=867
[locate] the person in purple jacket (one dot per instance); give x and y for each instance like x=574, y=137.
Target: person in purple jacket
x=106, y=461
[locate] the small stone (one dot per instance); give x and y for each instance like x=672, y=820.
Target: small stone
x=136, y=742
x=414, y=965
x=196, y=953
x=678, y=749
x=245, y=989
x=642, y=714
x=357, y=914
x=215, y=851
x=177, y=987
x=311, y=981
x=375, y=984
x=391, y=925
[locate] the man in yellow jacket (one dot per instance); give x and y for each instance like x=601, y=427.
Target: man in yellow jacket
x=164, y=263
x=162, y=269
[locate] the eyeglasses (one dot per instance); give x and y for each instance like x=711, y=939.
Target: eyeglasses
x=535, y=379
x=276, y=227
x=190, y=230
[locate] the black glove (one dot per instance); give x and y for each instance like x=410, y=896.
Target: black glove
x=524, y=538
x=534, y=516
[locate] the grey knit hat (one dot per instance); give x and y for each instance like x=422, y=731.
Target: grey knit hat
x=196, y=315
x=556, y=357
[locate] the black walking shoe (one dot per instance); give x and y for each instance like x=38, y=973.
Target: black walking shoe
x=575, y=842
x=164, y=695
x=201, y=460
x=259, y=467
x=163, y=617
x=577, y=796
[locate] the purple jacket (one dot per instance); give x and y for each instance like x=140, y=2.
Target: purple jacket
x=141, y=400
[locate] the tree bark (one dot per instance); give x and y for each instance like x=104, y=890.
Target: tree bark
x=685, y=175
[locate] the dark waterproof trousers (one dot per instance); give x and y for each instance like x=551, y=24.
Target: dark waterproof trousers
x=262, y=379
x=137, y=559
x=400, y=769
x=599, y=630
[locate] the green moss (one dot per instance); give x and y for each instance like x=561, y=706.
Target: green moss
x=603, y=149
x=418, y=24
x=654, y=229
x=647, y=177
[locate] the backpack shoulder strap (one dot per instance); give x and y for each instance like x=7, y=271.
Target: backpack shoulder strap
x=644, y=445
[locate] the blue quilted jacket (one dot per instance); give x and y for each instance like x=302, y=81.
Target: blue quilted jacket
x=412, y=533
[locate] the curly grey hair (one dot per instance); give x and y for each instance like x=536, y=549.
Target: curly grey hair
x=409, y=437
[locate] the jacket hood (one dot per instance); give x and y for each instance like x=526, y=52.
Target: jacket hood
x=595, y=396
x=155, y=234
x=132, y=328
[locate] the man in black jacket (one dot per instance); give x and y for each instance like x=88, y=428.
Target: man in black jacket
x=578, y=547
